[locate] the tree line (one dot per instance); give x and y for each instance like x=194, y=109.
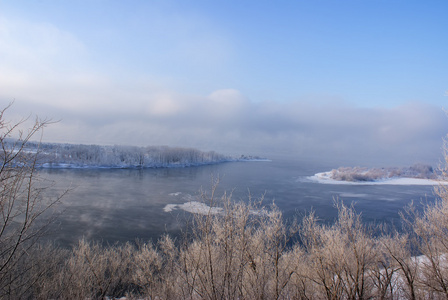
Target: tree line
x=55, y=155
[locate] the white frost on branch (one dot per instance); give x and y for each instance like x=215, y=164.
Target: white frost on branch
x=95, y=156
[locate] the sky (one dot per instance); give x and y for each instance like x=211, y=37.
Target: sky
x=352, y=79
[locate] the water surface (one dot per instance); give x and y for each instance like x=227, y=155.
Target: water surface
x=118, y=205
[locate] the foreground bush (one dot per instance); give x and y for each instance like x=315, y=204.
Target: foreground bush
x=246, y=252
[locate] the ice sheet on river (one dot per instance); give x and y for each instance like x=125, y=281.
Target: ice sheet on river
x=195, y=206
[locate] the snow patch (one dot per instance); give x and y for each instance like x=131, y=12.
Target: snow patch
x=195, y=206
x=169, y=207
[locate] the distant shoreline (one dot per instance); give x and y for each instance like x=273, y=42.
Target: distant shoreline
x=131, y=167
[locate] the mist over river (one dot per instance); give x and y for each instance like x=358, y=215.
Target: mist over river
x=119, y=205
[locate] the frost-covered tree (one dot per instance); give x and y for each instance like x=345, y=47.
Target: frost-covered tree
x=22, y=205
x=67, y=155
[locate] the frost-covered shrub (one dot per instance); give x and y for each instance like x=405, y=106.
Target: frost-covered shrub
x=243, y=253
x=372, y=174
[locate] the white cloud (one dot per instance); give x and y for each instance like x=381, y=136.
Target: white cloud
x=163, y=105
x=42, y=64
x=230, y=99
x=37, y=47
x=45, y=70
x=412, y=132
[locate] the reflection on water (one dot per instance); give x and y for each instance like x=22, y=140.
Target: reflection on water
x=122, y=205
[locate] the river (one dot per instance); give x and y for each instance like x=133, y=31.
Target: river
x=119, y=205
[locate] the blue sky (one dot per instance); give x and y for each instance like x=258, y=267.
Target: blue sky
x=296, y=77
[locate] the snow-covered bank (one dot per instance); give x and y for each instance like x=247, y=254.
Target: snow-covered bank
x=326, y=178
x=417, y=174
x=54, y=165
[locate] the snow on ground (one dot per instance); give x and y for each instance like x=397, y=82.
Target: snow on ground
x=170, y=207
x=325, y=178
